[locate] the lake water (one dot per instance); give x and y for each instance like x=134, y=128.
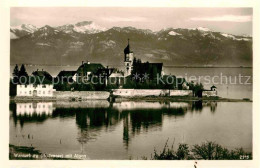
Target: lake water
x=123, y=130
x=226, y=79
x=103, y=130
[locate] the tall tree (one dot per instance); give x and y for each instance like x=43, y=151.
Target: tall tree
x=22, y=71
x=16, y=74
x=16, y=71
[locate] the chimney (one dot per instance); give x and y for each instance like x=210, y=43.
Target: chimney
x=37, y=69
x=82, y=62
x=42, y=69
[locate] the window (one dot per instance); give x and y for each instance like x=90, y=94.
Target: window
x=39, y=92
x=30, y=92
x=43, y=92
x=43, y=86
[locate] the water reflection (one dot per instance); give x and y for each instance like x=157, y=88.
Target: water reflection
x=31, y=112
x=92, y=117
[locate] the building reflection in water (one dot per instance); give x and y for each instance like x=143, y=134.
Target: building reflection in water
x=31, y=111
x=94, y=116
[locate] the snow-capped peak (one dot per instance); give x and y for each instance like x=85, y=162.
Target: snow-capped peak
x=200, y=29
x=235, y=38
x=26, y=27
x=88, y=27
x=173, y=33
x=82, y=27
x=203, y=29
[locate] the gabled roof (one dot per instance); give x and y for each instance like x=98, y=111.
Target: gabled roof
x=90, y=67
x=44, y=74
x=116, y=74
x=66, y=73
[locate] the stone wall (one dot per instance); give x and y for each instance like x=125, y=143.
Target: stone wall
x=181, y=93
x=140, y=92
x=150, y=92
x=209, y=93
x=81, y=95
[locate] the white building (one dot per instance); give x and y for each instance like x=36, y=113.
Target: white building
x=40, y=90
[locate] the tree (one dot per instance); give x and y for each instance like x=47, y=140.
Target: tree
x=197, y=88
x=22, y=71
x=16, y=71
x=16, y=74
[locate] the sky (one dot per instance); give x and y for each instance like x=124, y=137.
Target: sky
x=236, y=21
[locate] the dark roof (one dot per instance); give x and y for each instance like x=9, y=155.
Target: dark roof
x=42, y=74
x=90, y=67
x=127, y=49
x=67, y=73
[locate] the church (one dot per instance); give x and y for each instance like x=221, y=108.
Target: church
x=133, y=66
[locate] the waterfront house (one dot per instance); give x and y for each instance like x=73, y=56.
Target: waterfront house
x=35, y=90
x=210, y=93
x=67, y=76
x=88, y=70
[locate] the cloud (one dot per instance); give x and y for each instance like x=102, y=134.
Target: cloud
x=225, y=18
x=124, y=19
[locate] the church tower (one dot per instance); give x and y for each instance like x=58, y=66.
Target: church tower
x=129, y=57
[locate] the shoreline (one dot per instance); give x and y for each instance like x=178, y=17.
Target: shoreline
x=181, y=99
x=137, y=98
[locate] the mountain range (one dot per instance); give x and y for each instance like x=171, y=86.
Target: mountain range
x=71, y=44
